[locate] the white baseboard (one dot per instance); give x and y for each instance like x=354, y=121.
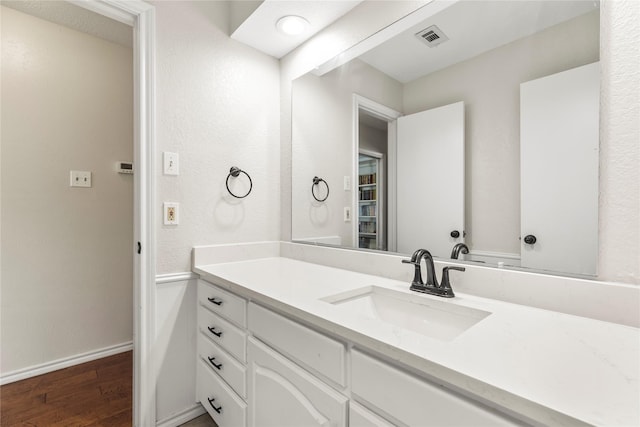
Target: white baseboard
x=44, y=368
x=182, y=417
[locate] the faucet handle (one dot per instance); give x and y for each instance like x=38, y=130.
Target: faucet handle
x=445, y=285
x=417, y=275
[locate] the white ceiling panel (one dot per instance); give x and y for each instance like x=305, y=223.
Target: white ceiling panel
x=259, y=29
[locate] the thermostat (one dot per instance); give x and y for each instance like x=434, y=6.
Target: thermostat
x=125, y=167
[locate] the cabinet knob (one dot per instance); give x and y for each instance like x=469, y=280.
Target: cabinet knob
x=455, y=234
x=530, y=239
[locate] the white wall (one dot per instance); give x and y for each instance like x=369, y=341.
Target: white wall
x=176, y=328
x=619, y=256
x=619, y=211
x=322, y=128
x=489, y=85
x=67, y=268
x=217, y=107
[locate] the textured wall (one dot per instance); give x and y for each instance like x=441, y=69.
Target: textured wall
x=67, y=266
x=620, y=142
x=217, y=107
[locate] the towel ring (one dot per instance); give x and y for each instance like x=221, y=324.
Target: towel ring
x=235, y=172
x=317, y=181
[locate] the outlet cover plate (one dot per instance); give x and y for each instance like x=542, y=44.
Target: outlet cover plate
x=170, y=214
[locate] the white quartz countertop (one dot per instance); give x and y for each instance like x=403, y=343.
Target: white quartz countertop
x=554, y=368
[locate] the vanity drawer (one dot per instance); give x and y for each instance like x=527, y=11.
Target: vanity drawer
x=223, y=333
x=232, y=371
x=359, y=416
x=317, y=352
x=224, y=406
x=376, y=384
x=223, y=303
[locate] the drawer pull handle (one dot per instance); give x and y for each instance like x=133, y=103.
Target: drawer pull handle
x=215, y=301
x=218, y=409
x=213, y=331
x=217, y=366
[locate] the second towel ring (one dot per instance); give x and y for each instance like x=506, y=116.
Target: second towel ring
x=317, y=181
x=235, y=172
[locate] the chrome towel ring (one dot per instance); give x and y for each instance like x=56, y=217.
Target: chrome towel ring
x=235, y=172
x=317, y=181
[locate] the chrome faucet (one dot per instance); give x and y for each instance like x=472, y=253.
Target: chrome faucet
x=459, y=248
x=431, y=287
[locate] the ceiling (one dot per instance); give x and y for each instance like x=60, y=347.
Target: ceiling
x=76, y=18
x=259, y=29
x=473, y=27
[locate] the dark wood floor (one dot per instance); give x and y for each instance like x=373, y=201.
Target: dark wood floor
x=96, y=393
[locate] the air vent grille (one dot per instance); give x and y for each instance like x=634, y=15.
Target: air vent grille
x=432, y=36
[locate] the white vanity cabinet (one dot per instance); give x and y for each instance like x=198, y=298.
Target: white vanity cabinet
x=259, y=368
x=413, y=401
x=221, y=383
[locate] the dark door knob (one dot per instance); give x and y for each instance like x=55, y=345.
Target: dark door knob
x=530, y=239
x=455, y=234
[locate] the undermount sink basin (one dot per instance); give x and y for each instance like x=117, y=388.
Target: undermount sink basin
x=436, y=319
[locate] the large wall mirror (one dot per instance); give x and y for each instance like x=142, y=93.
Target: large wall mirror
x=473, y=134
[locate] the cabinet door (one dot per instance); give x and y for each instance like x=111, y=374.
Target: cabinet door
x=282, y=394
x=415, y=402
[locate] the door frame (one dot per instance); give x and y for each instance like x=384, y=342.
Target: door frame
x=390, y=116
x=141, y=17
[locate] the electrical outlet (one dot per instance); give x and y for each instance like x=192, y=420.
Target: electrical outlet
x=347, y=214
x=170, y=210
x=170, y=161
x=80, y=179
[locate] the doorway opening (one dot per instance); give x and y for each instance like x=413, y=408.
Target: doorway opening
x=139, y=16
x=374, y=145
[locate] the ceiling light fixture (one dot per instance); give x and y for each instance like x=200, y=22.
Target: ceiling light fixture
x=292, y=25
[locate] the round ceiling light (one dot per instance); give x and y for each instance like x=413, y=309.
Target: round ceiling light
x=292, y=25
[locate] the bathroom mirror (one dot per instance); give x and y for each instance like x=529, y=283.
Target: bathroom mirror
x=501, y=99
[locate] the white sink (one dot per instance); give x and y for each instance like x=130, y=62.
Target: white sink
x=436, y=319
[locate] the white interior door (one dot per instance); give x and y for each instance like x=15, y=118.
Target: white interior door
x=559, y=134
x=430, y=180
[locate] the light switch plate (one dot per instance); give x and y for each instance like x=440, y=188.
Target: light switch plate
x=170, y=213
x=170, y=161
x=347, y=183
x=80, y=179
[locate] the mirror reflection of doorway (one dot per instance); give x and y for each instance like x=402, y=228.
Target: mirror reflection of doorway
x=371, y=226
x=372, y=170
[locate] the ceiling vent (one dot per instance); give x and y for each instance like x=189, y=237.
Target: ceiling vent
x=432, y=36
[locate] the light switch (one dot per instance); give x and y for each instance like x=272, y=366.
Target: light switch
x=80, y=179
x=170, y=161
